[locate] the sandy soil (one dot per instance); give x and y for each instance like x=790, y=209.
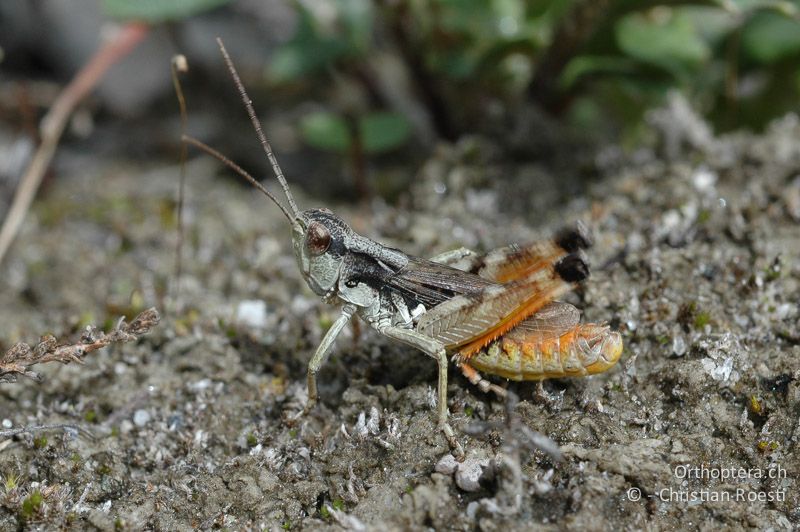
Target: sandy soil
x=696, y=262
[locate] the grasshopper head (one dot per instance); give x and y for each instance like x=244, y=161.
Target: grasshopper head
x=319, y=240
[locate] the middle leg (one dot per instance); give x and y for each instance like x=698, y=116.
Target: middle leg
x=436, y=350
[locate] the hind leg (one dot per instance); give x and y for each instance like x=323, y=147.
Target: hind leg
x=483, y=385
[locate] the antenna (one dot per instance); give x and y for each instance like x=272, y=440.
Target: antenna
x=236, y=168
x=248, y=103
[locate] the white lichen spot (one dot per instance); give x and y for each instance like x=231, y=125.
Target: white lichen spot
x=718, y=371
x=725, y=353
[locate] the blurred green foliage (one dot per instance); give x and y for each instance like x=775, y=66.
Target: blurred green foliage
x=317, y=43
x=377, y=132
x=770, y=37
x=738, y=61
x=598, y=64
x=326, y=131
x=670, y=42
x=158, y=10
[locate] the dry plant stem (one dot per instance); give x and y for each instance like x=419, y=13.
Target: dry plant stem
x=18, y=360
x=55, y=121
x=180, y=65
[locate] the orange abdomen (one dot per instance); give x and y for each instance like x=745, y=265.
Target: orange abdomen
x=585, y=349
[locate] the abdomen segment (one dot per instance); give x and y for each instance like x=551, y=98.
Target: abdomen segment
x=585, y=349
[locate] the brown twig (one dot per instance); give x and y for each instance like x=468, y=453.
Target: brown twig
x=56, y=119
x=21, y=356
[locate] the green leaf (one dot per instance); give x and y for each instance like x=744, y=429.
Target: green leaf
x=326, y=131
x=663, y=37
x=158, y=10
x=538, y=8
x=383, y=131
x=380, y=131
x=583, y=65
x=769, y=37
x=713, y=25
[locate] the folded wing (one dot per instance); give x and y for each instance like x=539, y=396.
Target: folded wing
x=468, y=322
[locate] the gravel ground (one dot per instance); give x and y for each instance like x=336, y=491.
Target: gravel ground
x=696, y=262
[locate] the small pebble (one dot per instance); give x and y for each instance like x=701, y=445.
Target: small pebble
x=175, y=422
x=7, y=424
x=252, y=312
x=125, y=427
x=201, y=385
x=469, y=473
x=141, y=418
x=679, y=345
x=472, y=510
x=447, y=465
x=541, y=487
x=704, y=180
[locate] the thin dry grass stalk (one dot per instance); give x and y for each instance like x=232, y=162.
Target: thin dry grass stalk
x=19, y=359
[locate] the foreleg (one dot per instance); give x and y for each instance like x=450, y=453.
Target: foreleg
x=322, y=352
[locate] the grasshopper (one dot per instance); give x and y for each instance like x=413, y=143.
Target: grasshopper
x=495, y=313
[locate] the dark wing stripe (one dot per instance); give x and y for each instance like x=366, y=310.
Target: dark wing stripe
x=431, y=284
x=515, y=262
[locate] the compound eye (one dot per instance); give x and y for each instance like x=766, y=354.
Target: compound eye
x=318, y=239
